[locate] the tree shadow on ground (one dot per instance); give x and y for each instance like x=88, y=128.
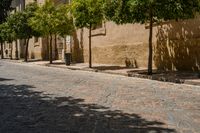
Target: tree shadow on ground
x=26, y=111
x=58, y=63
x=102, y=68
x=3, y=79
x=34, y=60
x=185, y=75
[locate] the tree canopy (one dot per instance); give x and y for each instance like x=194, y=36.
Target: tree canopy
x=19, y=22
x=6, y=33
x=138, y=11
x=87, y=12
x=44, y=20
x=65, y=24
x=2, y=33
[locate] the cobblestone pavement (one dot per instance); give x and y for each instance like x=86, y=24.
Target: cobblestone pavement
x=37, y=99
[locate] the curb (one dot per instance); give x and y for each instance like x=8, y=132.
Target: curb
x=135, y=75
x=85, y=69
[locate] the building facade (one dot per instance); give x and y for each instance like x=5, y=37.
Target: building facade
x=38, y=47
x=176, y=45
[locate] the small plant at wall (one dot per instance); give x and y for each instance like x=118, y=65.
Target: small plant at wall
x=88, y=14
x=151, y=12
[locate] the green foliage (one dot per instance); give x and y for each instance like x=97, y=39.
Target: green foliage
x=19, y=22
x=118, y=11
x=2, y=33
x=65, y=21
x=44, y=20
x=49, y=20
x=5, y=6
x=138, y=11
x=6, y=33
x=87, y=12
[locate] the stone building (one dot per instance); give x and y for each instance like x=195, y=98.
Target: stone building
x=38, y=47
x=176, y=45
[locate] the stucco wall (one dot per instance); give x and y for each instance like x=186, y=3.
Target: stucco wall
x=35, y=49
x=117, y=43
x=176, y=45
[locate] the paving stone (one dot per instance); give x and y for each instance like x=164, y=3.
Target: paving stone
x=38, y=99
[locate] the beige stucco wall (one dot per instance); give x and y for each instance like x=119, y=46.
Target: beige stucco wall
x=117, y=44
x=35, y=49
x=176, y=45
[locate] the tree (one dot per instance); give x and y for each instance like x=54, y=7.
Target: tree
x=2, y=38
x=19, y=23
x=44, y=22
x=7, y=34
x=149, y=11
x=12, y=21
x=50, y=20
x=5, y=6
x=88, y=14
x=65, y=24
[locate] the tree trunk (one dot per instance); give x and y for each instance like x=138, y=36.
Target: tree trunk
x=50, y=51
x=90, y=47
x=2, y=56
x=11, y=51
x=26, y=50
x=16, y=51
x=56, y=49
x=150, y=60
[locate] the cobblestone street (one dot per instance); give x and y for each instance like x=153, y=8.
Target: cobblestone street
x=39, y=99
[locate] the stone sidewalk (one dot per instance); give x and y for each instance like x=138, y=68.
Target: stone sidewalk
x=102, y=68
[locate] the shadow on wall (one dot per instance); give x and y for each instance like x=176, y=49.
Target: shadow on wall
x=23, y=110
x=22, y=48
x=178, y=46
x=32, y=55
x=77, y=50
